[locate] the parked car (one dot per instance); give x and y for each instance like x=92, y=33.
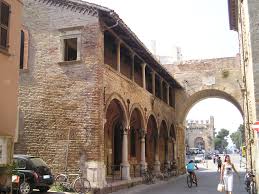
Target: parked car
x=31, y=173
x=199, y=158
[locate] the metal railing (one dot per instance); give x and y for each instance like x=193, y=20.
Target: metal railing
x=114, y=172
x=135, y=170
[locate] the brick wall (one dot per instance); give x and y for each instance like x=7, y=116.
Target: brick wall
x=58, y=98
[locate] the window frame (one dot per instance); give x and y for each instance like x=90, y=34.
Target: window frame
x=5, y=27
x=70, y=35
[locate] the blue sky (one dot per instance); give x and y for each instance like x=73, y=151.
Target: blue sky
x=199, y=27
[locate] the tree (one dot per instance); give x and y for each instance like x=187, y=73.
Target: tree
x=220, y=140
x=238, y=137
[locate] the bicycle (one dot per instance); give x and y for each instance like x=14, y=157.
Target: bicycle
x=250, y=185
x=79, y=184
x=167, y=173
x=191, y=180
x=148, y=176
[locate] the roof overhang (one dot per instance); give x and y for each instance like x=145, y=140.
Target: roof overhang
x=233, y=14
x=109, y=17
x=125, y=33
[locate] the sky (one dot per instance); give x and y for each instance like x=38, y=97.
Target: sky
x=199, y=27
x=226, y=115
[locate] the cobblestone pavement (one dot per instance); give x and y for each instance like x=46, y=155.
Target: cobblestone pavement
x=208, y=180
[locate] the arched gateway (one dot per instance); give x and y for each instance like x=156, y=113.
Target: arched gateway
x=219, y=77
x=210, y=78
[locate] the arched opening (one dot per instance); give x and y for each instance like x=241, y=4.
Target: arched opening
x=206, y=118
x=163, y=146
x=136, y=124
x=151, y=140
x=113, y=130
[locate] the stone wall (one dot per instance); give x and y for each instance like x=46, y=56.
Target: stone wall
x=200, y=129
x=219, y=77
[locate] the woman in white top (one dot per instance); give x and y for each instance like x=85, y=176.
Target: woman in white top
x=227, y=171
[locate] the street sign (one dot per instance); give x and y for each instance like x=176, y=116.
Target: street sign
x=255, y=126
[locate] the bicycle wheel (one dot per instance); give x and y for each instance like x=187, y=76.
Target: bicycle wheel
x=189, y=181
x=61, y=180
x=252, y=189
x=81, y=185
x=195, y=180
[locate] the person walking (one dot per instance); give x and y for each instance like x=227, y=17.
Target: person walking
x=219, y=162
x=227, y=174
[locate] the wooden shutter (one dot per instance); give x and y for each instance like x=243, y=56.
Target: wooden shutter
x=4, y=24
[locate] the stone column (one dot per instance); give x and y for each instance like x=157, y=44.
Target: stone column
x=125, y=166
x=154, y=83
x=157, y=162
x=143, y=164
x=167, y=97
x=161, y=89
x=119, y=56
x=167, y=160
x=133, y=68
x=144, y=75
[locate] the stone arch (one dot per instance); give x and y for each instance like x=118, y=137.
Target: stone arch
x=119, y=98
x=115, y=123
x=151, y=139
x=163, y=143
x=151, y=113
x=137, y=106
x=136, y=125
x=207, y=93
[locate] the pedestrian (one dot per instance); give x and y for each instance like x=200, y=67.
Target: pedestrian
x=214, y=159
x=219, y=162
x=226, y=177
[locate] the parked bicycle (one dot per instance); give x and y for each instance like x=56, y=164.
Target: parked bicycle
x=79, y=184
x=250, y=185
x=167, y=173
x=191, y=179
x=148, y=176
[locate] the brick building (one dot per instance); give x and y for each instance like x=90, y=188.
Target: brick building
x=91, y=94
x=200, y=134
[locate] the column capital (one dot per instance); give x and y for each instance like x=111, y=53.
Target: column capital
x=142, y=132
x=143, y=65
x=118, y=41
x=125, y=130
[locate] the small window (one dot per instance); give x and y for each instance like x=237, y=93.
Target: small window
x=70, y=52
x=22, y=50
x=4, y=24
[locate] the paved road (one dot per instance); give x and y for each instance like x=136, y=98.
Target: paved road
x=207, y=180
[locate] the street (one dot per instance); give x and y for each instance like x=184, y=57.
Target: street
x=208, y=179
x=207, y=183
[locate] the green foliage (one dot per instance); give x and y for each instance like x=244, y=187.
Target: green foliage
x=220, y=140
x=238, y=137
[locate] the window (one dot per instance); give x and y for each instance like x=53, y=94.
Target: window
x=22, y=51
x=70, y=49
x=4, y=24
